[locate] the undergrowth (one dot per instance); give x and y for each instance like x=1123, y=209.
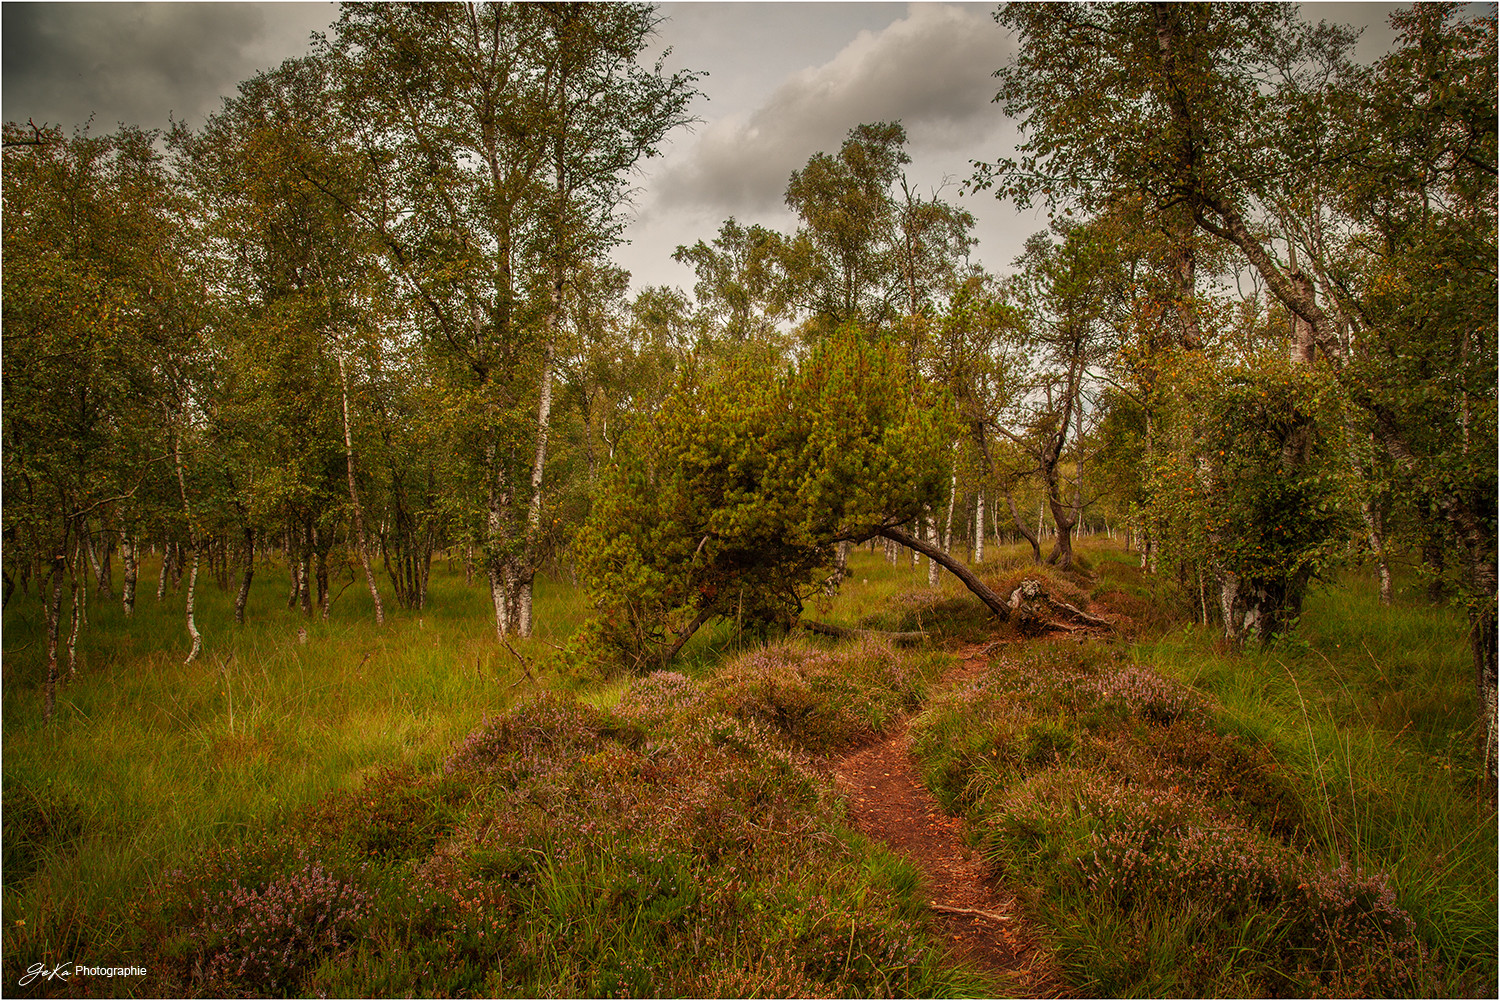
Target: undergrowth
x=676, y=843
x=1188, y=819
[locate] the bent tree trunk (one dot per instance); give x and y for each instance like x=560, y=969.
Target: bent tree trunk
x=935, y=553
x=978, y=587
x=1025, y=533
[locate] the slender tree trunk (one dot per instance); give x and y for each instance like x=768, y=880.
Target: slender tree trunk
x=104, y=568
x=320, y=548
x=187, y=511
x=54, y=615
x=80, y=586
x=243, y=595
x=73, y=629
x=1034, y=539
x=192, y=627
x=1437, y=563
x=979, y=528
x=130, y=559
x=293, y=563
x=934, y=540
x=361, y=540
x=496, y=562
x=1375, y=532
x=840, y=567
x=684, y=636
x=166, y=564
x=952, y=500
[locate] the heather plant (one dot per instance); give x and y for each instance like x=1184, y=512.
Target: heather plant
x=823, y=699
x=659, y=848
x=657, y=699
x=1107, y=790
x=253, y=919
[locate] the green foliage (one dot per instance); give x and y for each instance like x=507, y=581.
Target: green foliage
x=1251, y=480
x=728, y=503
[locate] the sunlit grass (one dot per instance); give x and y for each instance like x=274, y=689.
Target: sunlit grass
x=1374, y=709
x=162, y=759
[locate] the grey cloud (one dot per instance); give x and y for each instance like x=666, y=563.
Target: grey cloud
x=138, y=62
x=930, y=69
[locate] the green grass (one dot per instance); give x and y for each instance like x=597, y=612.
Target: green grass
x=284, y=765
x=665, y=836
x=161, y=759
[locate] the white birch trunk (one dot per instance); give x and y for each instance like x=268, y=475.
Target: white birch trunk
x=73, y=631
x=361, y=541
x=132, y=568
x=192, y=627
x=197, y=640
x=934, y=569
x=54, y=613
x=1375, y=534
x=979, y=528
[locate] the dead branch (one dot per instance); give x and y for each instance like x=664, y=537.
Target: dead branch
x=839, y=632
x=969, y=912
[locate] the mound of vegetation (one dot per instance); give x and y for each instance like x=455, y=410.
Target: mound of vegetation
x=677, y=844
x=1165, y=854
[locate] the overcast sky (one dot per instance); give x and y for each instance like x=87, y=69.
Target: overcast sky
x=786, y=80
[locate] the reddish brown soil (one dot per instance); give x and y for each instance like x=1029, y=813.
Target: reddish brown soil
x=888, y=803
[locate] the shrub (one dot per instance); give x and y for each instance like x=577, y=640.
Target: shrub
x=254, y=919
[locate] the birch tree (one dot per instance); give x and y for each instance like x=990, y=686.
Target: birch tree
x=498, y=141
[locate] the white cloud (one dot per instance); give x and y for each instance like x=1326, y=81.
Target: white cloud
x=931, y=70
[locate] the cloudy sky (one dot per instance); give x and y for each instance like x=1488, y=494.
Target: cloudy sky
x=786, y=80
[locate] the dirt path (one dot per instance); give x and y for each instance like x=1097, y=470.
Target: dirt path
x=888, y=803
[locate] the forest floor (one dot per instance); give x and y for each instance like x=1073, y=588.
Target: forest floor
x=991, y=813
x=888, y=803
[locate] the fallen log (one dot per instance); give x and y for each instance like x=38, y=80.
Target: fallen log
x=839, y=632
x=1030, y=593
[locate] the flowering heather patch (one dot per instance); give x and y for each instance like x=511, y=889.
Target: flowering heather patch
x=1142, y=693
x=657, y=699
x=656, y=849
x=822, y=699
x=261, y=937
x=1102, y=788
x=540, y=735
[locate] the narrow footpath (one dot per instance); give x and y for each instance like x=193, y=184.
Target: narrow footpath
x=888, y=803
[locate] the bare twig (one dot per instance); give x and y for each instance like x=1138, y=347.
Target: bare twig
x=525, y=664
x=969, y=912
